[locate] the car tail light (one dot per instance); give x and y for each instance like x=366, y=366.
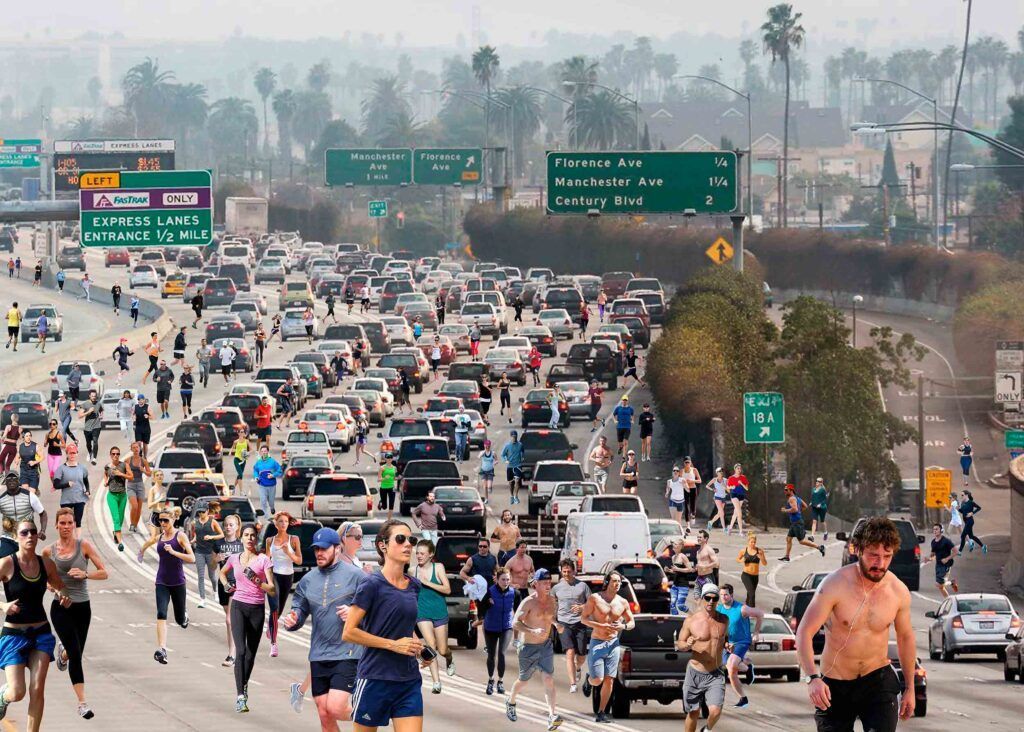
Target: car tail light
x=579, y=560
x=789, y=644
x=403, y=485
x=793, y=623
x=244, y=351
x=1015, y=622
x=314, y=377
x=546, y=340
x=207, y=290
x=477, y=508
x=554, y=509
x=53, y=379
x=309, y=502
x=920, y=673
x=284, y=454
x=516, y=365
x=626, y=661
x=292, y=473
x=528, y=405
x=957, y=622
x=634, y=607
x=303, y=426
x=917, y=553
x=369, y=504
x=472, y=609
x=533, y=488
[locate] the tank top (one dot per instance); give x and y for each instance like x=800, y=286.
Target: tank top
x=171, y=570
x=630, y=471
x=751, y=562
x=29, y=592
x=204, y=529
x=53, y=445
x=721, y=488
x=431, y=605
x=135, y=463
x=739, y=626
x=282, y=563
x=142, y=418
x=797, y=517
x=27, y=453
x=676, y=490
x=76, y=589
x=487, y=462
x=13, y=435
x=688, y=475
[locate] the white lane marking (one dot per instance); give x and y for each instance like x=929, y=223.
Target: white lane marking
x=926, y=598
x=779, y=566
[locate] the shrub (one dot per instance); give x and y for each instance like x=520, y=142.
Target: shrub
x=989, y=315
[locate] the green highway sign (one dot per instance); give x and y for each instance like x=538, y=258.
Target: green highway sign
x=20, y=153
x=447, y=166
x=377, y=209
x=368, y=166
x=170, y=207
x=764, y=417
x=1014, y=439
x=641, y=182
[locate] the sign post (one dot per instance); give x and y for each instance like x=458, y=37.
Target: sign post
x=368, y=166
x=447, y=166
x=20, y=153
x=720, y=251
x=764, y=422
x=173, y=207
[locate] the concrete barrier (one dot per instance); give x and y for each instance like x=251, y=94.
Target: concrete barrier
x=878, y=303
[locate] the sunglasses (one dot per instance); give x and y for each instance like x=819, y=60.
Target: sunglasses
x=710, y=598
x=115, y=452
x=28, y=532
x=165, y=521
x=402, y=538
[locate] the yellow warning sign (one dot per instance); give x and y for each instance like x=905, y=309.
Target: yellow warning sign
x=101, y=180
x=720, y=252
x=938, y=485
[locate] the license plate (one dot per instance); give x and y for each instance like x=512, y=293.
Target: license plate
x=762, y=646
x=639, y=586
x=987, y=625
x=457, y=509
x=338, y=505
x=22, y=410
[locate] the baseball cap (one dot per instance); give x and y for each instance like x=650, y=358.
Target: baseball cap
x=326, y=537
x=709, y=589
x=541, y=574
x=625, y=398
x=12, y=475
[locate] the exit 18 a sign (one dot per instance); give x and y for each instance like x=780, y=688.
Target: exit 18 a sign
x=764, y=417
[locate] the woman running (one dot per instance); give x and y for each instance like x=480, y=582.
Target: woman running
x=382, y=618
x=956, y=519
x=721, y=495
x=487, y=459
x=229, y=545
x=968, y=509
x=431, y=609
x=497, y=608
x=206, y=532
x=676, y=494
x=74, y=486
x=116, y=475
x=240, y=456
x=11, y=435
x=71, y=558
x=143, y=427
x=136, y=485
x=285, y=552
x=54, y=448
x=505, y=395
x=260, y=339
x=362, y=429
x=29, y=461
x=602, y=301
x=26, y=640
x=691, y=481
x=187, y=385
x=254, y=580
x=738, y=485
x=630, y=473
x=752, y=558
x=174, y=552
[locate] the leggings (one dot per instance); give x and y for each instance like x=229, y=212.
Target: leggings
x=186, y=399
x=116, y=503
x=246, y=628
x=496, y=643
x=506, y=401
x=206, y=564
x=7, y=456
x=283, y=583
x=72, y=627
x=968, y=533
x=260, y=345
x=52, y=463
x=750, y=582
x=174, y=595
x=690, y=500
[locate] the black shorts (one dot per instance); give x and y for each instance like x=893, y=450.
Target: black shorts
x=644, y=434
x=622, y=434
x=574, y=636
x=222, y=596
x=225, y=369
x=798, y=531
x=12, y=331
x=873, y=699
x=261, y=433
x=327, y=675
x=152, y=363
x=513, y=473
x=594, y=410
x=163, y=395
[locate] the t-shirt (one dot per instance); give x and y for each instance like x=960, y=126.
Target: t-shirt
x=125, y=406
x=646, y=422
x=263, y=415
x=739, y=482
x=164, y=379
x=623, y=417
x=567, y=595
x=942, y=548
x=93, y=416
x=595, y=393
x=391, y=614
x=819, y=498
x=428, y=514
x=387, y=477
x=246, y=590
x=78, y=479
x=739, y=626
x=227, y=356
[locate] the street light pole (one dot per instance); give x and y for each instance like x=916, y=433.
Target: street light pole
x=620, y=95
x=573, y=143
x=856, y=299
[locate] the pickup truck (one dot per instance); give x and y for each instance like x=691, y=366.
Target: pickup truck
x=648, y=579
x=598, y=362
x=420, y=477
x=793, y=608
x=543, y=539
x=453, y=549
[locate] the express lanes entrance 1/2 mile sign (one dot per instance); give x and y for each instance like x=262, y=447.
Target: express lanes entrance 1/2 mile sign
x=641, y=182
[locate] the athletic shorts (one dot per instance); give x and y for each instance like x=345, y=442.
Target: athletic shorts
x=603, y=658
x=152, y=363
x=436, y=622
x=677, y=505
x=941, y=570
x=797, y=530
x=739, y=494
x=262, y=433
x=873, y=699
x=136, y=489
x=178, y=354
x=701, y=686
x=239, y=467
x=337, y=675
x=645, y=433
x=594, y=409
x=622, y=434
x=819, y=513
x=738, y=649
x=630, y=372
x=534, y=656
x=12, y=330
x=574, y=636
x=487, y=474
x=163, y=396
x=376, y=702
x=16, y=644
x=513, y=473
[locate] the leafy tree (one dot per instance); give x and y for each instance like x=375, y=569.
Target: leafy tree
x=526, y=110
x=233, y=128
x=400, y=130
x=83, y=128
x=265, y=82
x=579, y=72
x=602, y=121
x=387, y=102
x=665, y=67
x=284, y=110
x=1013, y=133
x=187, y=111
x=457, y=74
x=319, y=76
x=337, y=133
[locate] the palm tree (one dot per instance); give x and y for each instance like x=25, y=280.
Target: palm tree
x=748, y=52
x=284, y=109
x=95, y=89
x=319, y=76
x=187, y=111
x=603, y=121
x=232, y=126
x=643, y=64
x=833, y=80
x=1015, y=70
x=944, y=68
x=526, y=112
x=579, y=71
x=992, y=54
x=400, y=130
x=705, y=91
x=387, y=101
x=145, y=93
x=783, y=33
x=83, y=128
x=457, y=74
x=265, y=82
x=485, y=69
x=312, y=113
x=665, y=67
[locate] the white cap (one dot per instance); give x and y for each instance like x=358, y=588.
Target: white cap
x=709, y=589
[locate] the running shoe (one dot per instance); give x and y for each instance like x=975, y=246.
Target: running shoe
x=984, y=548
x=451, y=668
x=783, y=559
x=586, y=685
x=750, y=674
x=742, y=703
x=160, y=656
x=436, y=688
x=490, y=687
x=708, y=529
x=554, y=722
x=120, y=546
x=61, y=657
x=228, y=661
x=241, y=705
x=602, y=718
x=297, y=698
x=138, y=557
x=970, y=544
x=573, y=688
x=501, y=686
x=3, y=701
x=821, y=548
x=201, y=603
x=84, y=711
x=273, y=650
x=826, y=536
x=510, y=711
x=185, y=624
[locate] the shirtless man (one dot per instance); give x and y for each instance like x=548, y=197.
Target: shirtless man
x=707, y=561
x=607, y=615
x=506, y=533
x=521, y=568
x=797, y=530
x=858, y=604
x=534, y=620
x=704, y=634
x=601, y=457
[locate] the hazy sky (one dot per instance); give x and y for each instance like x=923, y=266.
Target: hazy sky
x=436, y=22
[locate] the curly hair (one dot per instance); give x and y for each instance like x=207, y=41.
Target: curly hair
x=876, y=531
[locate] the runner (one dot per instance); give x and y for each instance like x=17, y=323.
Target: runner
x=173, y=551
x=227, y=355
x=115, y=298
x=92, y=425
x=534, y=361
x=738, y=486
x=512, y=455
x=497, y=608
x=263, y=416
x=630, y=473
x=197, y=304
x=431, y=609
x=968, y=509
x=254, y=581
x=646, y=422
x=340, y=367
x=607, y=615
x=71, y=558
x=120, y=356
x=134, y=309
x=260, y=339
x=752, y=557
x=956, y=519
x=427, y=517
x=325, y=596
x=266, y=471
x=680, y=569
x=594, y=394
x=966, y=453
x=350, y=298
x=505, y=395
x=405, y=388
x=135, y=485
x=506, y=533
x=740, y=640
x=180, y=345
x=602, y=302
x=86, y=284
x=362, y=430
x=13, y=326
x=29, y=459
x=153, y=350
x=206, y=533
x=63, y=407
x=285, y=395
x=54, y=449
x=584, y=320
x=943, y=553
x=474, y=342
x=571, y=596
x=382, y=618
x=534, y=619
x=42, y=330
x=143, y=418
x=439, y=309
x=720, y=488
x=518, y=305
x=704, y=635
x=61, y=277
x=116, y=475
x=555, y=401
x=462, y=425
x=10, y=268
x=12, y=435
x=819, y=508
x=794, y=507
x=186, y=385
x=231, y=544
x=707, y=561
x=435, y=357
x=364, y=299
x=486, y=472
x=203, y=356
x=309, y=323
x=857, y=605
x=239, y=457
x=601, y=457
x=26, y=640
x=482, y=564
x=275, y=328
x=631, y=367
x=284, y=552
x=676, y=494
x=163, y=377
x=74, y=383
x=17, y=504
x=417, y=328
x=623, y=414
x=329, y=301
x=520, y=567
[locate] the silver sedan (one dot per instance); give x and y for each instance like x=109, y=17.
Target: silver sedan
x=577, y=394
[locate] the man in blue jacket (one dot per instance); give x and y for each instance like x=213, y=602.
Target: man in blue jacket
x=623, y=424
x=265, y=472
x=512, y=454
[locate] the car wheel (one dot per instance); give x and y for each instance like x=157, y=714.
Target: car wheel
x=948, y=656
x=1008, y=673
x=620, y=702
x=524, y=424
x=792, y=676
x=1001, y=655
x=59, y=337
x=932, y=653
x=187, y=503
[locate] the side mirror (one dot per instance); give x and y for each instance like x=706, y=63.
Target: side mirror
x=464, y=477
x=521, y=400
x=1011, y=637
x=920, y=539
x=930, y=614
x=574, y=446
x=777, y=610
x=842, y=536
x=170, y=434
x=380, y=435
x=51, y=373
x=279, y=443
x=797, y=588
x=373, y=491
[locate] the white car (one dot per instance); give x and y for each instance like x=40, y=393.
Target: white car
x=235, y=253
x=557, y=321
x=483, y=315
x=252, y=387
x=568, y=497
x=494, y=298
x=333, y=347
x=255, y=297
x=92, y=380
x=269, y=269
x=407, y=298
x=380, y=386
x=549, y=473
x=331, y=420
x=143, y=275
x=432, y=281
x=577, y=395
x=398, y=329
x=458, y=334
x=307, y=442
x=376, y=287
x=293, y=326
x=175, y=462
x=520, y=343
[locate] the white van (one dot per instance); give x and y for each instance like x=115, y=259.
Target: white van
x=591, y=539
x=236, y=253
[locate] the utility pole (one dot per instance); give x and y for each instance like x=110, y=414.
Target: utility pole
x=778, y=183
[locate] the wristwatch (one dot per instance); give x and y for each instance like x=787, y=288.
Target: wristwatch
x=808, y=679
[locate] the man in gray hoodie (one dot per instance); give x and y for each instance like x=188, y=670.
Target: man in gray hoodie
x=324, y=595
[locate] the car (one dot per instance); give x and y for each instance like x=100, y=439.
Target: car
x=629, y=307
x=465, y=390
x=650, y=666
x=426, y=344
x=306, y=442
x=639, y=330
x=617, y=502
x=541, y=337
x=294, y=326
x=377, y=412
x=618, y=330
x=508, y=361
x=108, y=406
x=559, y=373
x=410, y=363
x=353, y=333
x=156, y=259
x=557, y=321
x=235, y=252
x=378, y=338
x=577, y=396
x=330, y=283
x=420, y=476
x=648, y=579
x=906, y=561
x=406, y=299
x=478, y=428
x=188, y=488
x=259, y=299
x=340, y=429
x=143, y=275
x=30, y=322
x=422, y=313
x=300, y=473
x=195, y=282
x=545, y=475
x=189, y=258
x=117, y=256
x=227, y=325
x=219, y=291
x=388, y=375
x=567, y=497
x=545, y=444
x=483, y=315
x=30, y=408
x=596, y=362
x=244, y=359
x=1013, y=656
x=568, y=298
x=463, y=508
x=643, y=284
x=920, y=679
x=655, y=303
x=304, y=529
x=228, y=420
x=175, y=462
x=614, y=284
x=310, y=375
x=381, y=386
x=92, y=380
x=269, y=269
x=774, y=653
x=238, y=273
x=247, y=312
x=400, y=429
x=337, y=497
x=975, y=622
x=536, y=409
x=174, y=285
x=811, y=581
x=71, y=257
x=468, y=371
x=322, y=362
x=356, y=406
x=390, y=292
x=295, y=294
x=204, y=435
x=794, y=605
x=661, y=528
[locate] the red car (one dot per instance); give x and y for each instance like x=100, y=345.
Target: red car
x=426, y=344
x=614, y=283
x=118, y=256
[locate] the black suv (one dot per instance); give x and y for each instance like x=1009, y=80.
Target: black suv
x=453, y=549
x=598, y=361
x=544, y=445
x=71, y=258
x=201, y=434
x=906, y=561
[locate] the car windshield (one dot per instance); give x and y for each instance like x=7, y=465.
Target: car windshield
x=650, y=575
x=546, y=440
x=558, y=471
x=431, y=469
x=624, y=504
x=322, y=417
x=408, y=428
x=310, y=461
x=983, y=604
x=455, y=494
x=556, y=314
x=193, y=432
x=538, y=395
x=331, y=485
x=577, y=490
x=65, y=368
x=501, y=354
x=453, y=551
x=777, y=626
x=190, y=460
x=36, y=312
x=26, y=397
x=477, y=308
x=307, y=438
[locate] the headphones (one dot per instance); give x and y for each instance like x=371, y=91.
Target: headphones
x=608, y=579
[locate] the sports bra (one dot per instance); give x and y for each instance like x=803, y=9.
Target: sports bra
x=28, y=591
